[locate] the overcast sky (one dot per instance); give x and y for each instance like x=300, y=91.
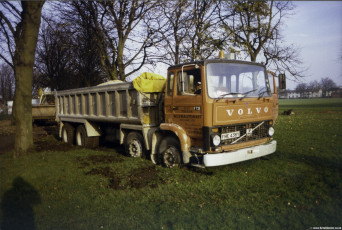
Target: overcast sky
x=317, y=29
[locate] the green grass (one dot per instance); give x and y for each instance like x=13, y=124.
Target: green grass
x=298, y=187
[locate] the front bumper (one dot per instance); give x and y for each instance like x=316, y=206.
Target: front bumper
x=226, y=158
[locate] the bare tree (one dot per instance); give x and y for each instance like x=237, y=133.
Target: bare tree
x=314, y=86
x=188, y=30
x=6, y=86
x=122, y=37
x=10, y=16
x=327, y=84
x=173, y=26
x=25, y=36
x=86, y=62
x=202, y=39
x=301, y=89
x=66, y=58
x=256, y=30
x=6, y=82
x=54, y=57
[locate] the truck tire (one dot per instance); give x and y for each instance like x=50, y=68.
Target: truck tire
x=134, y=145
x=68, y=134
x=83, y=140
x=170, y=152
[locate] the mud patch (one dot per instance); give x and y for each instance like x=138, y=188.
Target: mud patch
x=45, y=138
x=52, y=145
x=138, y=179
x=144, y=177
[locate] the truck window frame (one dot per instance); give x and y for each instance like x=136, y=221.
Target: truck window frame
x=193, y=81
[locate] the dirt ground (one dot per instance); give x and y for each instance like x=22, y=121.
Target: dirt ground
x=45, y=137
x=7, y=136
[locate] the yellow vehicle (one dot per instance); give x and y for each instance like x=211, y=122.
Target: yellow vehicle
x=211, y=113
x=45, y=110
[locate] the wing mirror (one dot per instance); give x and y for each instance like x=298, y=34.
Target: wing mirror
x=282, y=81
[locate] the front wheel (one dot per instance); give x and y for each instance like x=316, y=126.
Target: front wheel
x=170, y=152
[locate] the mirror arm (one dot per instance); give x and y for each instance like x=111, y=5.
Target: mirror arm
x=196, y=66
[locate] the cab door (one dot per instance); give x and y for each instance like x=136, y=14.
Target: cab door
x=186, y=106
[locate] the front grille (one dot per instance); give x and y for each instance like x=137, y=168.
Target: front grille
x=260, y=130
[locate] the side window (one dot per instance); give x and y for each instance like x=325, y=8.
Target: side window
x=189, y=83
x=170, y=84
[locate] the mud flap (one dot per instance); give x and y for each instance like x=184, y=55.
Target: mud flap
x=186, y=157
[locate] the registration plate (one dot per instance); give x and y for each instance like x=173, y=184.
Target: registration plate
x=226, y=136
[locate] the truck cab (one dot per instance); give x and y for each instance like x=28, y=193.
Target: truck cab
x=222, y=111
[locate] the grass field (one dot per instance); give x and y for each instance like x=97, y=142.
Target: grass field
x=298, y=187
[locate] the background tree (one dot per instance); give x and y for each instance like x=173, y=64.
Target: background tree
x=173, y=28
x=327, y=84
x=203, y=39
x=301, y=89
x=10, y=16
x=25, y=35
x=188, y=30
x=255, y=29
x=66, y=57
x=6, y=82
x=122, y=36
x=54, y=57
x=313, y=86
x=86, y=62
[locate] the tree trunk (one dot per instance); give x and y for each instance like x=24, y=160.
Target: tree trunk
x=120, y=58
x=26, y=42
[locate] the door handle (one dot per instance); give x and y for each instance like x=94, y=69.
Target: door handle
x=174, y=108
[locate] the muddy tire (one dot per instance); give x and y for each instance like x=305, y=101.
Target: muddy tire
x=170, y=152
x=68, y=134
x=83, y=140
x=134, y=145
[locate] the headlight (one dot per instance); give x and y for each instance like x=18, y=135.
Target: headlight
x=271, y=131
x=216, y=140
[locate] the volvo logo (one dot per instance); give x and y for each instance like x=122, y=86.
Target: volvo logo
x=249, y=111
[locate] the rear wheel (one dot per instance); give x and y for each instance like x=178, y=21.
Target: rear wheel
x=170, y=153
x=68, y=133
x=134, y=145
x=83, y=140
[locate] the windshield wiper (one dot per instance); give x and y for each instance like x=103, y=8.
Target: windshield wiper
x=262, y=93
x=226, y=94
x=245, y=94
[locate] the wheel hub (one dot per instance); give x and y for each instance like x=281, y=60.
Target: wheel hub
x=169, y=158
x=135, y=148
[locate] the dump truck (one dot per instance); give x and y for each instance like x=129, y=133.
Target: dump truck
x=45, y=110
x=207, y=113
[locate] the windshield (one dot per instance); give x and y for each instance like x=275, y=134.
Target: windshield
x=226, y=80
